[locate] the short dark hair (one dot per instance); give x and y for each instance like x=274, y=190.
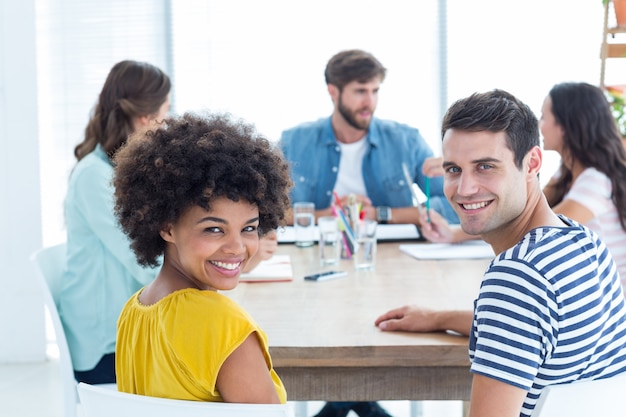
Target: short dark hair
x=496, y=111
x=353, y=65
x=191, y=160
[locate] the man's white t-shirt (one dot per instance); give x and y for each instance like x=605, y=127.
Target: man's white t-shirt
x=350, y=175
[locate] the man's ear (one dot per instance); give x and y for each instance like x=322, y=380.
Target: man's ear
x=534, y=160
x=333, y=90
x=166, y=233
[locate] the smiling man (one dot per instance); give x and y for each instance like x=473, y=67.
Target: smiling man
x=550, y=308
x=353, y=152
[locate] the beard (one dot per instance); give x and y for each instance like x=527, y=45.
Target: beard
x=350, y=117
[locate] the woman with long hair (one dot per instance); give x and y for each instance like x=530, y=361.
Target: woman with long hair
x=590, y=185
x=102, y=271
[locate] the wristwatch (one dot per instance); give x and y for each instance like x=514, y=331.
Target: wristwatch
x=383, y=214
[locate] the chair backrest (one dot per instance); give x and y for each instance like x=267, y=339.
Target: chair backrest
x=601, y=397
x=102, y=402
x=49, y=263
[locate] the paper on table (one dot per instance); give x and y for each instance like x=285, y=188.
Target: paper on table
x=475, y=249
x=383, y=232
x=277, y=268
x=397, y=232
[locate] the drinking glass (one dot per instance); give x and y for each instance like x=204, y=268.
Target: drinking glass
x=329, y=240
x=304, y=223
x=365, y=247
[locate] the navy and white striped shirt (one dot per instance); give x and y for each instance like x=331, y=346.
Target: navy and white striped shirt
x=550, y=311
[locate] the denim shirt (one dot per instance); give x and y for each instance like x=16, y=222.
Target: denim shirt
x=313, y=153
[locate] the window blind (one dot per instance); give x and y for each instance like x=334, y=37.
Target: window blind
x=78, y=42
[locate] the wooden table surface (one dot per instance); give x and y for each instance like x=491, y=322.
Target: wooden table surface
x=323, y=341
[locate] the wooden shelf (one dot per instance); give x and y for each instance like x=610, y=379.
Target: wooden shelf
x=616, y=29
x=616, y=50
x=613, y=43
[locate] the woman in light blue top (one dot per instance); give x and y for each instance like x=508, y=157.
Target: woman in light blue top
x=102, y=271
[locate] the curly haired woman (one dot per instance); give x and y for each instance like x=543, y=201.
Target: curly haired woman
x=199, y=191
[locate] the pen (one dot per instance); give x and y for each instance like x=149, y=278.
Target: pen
x=345, y=230
x=344, y=221
x=346, y=245
x=332, y=275
x=409, y=183
x=337, y=200
x=353, y=210
x=427, y=186
x=323, y=276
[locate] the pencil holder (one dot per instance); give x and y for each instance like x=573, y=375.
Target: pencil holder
x=345, y=253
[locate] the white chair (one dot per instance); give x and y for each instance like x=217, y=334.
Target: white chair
x=49, y=263
x=98, y=401
x=602, y=397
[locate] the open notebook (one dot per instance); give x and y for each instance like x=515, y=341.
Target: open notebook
x=277, y=268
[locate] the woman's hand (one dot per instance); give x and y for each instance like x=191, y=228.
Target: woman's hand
x=435, y=228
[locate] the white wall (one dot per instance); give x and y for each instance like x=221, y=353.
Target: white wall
x=22, y=336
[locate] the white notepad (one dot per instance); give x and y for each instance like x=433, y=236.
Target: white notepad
x=277, y=268
x=474, y=249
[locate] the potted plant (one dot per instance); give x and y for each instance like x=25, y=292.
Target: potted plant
x=616, y=96
x=619, y=7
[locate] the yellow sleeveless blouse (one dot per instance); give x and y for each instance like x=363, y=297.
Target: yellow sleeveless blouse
x=175, y=347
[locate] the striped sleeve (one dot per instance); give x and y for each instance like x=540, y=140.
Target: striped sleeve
x=550, y=310
x=514, y=332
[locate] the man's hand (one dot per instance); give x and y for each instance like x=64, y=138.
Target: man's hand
x=433, y=167
x=267, y=246
x=409, y=319
x=437, y=230
x=363, y=200
x=423, y=320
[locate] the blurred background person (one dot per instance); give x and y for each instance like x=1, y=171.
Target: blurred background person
x=102, y=271
x=351, y=152
x=590, y=185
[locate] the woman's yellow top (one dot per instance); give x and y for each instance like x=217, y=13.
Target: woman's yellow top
x=176, y=347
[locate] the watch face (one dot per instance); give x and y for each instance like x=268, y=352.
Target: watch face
x=383, y=213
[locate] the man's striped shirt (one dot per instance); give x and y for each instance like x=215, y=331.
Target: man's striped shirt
x=550, y=311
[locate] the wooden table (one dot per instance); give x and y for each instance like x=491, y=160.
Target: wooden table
x=325, y=346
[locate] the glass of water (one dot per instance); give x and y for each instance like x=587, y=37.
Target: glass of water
x=365, y=249
x=304, y=223
x=329, y=240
